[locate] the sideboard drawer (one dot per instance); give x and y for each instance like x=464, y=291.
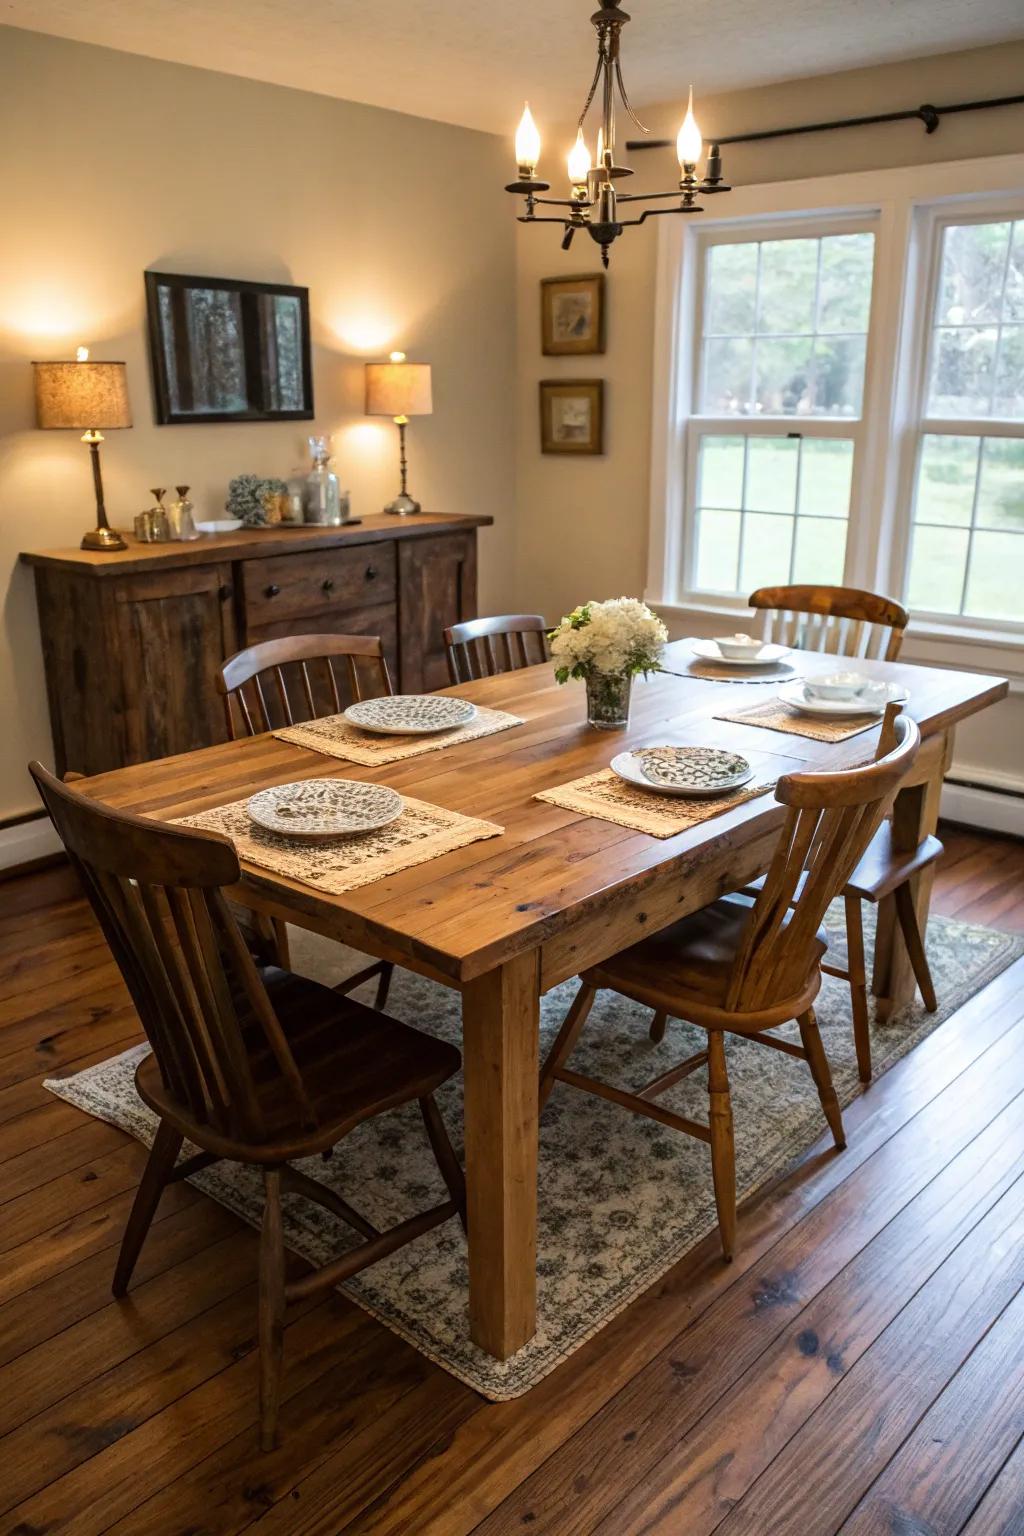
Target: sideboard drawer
x=322, y=582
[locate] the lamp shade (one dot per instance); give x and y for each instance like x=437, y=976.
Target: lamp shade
x=398, y=389
x=82, y=395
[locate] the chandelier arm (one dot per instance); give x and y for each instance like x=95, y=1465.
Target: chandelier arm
x=625, y=98
x=593, y=88
x=565, y=202
x=638, y=197
x=652, y=213
x=530, y=218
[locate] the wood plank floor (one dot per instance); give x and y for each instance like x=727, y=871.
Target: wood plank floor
x=859, y=1368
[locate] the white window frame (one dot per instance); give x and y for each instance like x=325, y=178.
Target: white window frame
x=702, y=424
x=903, y=205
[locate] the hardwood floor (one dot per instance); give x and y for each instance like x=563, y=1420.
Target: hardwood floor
x=858, y=1368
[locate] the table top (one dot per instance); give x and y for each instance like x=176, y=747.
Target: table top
x=470, y=910
x=250, y=543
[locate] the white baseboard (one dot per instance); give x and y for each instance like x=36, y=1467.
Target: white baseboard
x=30, y=840
x=984, y=808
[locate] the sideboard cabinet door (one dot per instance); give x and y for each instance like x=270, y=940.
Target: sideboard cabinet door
x=174, y=628
x=436, y=587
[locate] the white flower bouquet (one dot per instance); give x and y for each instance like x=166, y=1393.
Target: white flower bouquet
x=607, y=644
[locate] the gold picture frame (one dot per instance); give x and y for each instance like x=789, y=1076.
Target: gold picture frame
x=572, y=315
x=572, y=415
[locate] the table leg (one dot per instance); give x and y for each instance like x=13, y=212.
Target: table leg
x=501, y=1016
x=915, y=815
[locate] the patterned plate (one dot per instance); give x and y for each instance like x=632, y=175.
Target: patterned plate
x=325, y=808
x=410, y=714
x=870, y=701
x=769, y=653
x=691, y=771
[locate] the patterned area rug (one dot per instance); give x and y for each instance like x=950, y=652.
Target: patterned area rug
x=621, y=1198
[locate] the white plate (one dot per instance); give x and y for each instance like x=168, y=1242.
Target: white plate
x=708, y=650
x=220, y=525
x=871, y=702
x=317, y=808
x=410, y=714
x=691, y=771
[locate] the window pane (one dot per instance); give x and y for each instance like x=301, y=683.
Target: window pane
x=789, y=271
x=962, y=371
x=771, y=473
x=826, y=473
x=783, y=375
x=1001, y=492
x=820, y=550
x=767, y=541
x=996, y=575
x=718, y=548
x=838, y=375
x=720, y=472
x=844, y=293
x=1013, y=298
x=945, y=486
x=971, y=279
x=1009, y=392
x=731, y=290
x=727, y=376
x=937, y=569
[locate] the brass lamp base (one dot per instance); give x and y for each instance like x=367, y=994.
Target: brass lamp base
x=403, y=506
x=103, y=538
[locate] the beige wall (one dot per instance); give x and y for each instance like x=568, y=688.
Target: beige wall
x=113, y=163
x=582, y=524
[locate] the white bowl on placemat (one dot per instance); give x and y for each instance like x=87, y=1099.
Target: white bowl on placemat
x=871, y=700
x=410, y=714
x=322, y=808
x=765, y=656
x=690, y=771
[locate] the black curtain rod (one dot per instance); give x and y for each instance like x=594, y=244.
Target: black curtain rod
x=927, y=114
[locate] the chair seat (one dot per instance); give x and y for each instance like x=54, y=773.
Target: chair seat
x=354, y=1063
x=686, y=968
x=881, y=869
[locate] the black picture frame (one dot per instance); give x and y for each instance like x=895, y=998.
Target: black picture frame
x=252, y=364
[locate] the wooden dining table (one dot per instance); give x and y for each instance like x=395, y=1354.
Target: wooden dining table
x=504, y=920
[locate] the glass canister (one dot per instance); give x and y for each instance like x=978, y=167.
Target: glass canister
x=158, y=514
x=323, y=492
x=179, y=516
x=295, y=505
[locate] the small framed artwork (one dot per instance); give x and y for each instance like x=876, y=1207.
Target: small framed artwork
x=572, y=315
x=572, y=415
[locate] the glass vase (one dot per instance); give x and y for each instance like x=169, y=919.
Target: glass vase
x=608, y=700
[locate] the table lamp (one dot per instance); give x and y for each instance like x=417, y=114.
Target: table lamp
x=399, y=389
x=91, y=396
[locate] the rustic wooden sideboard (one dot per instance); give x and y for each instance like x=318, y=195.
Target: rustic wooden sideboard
x=131, y=639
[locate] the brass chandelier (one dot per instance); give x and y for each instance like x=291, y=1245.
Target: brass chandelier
x=594, y=202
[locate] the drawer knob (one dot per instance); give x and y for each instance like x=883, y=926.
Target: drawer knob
x=327, y=585
x=371, y=573
x=272, y=590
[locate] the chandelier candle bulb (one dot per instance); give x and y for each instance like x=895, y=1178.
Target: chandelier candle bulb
x=527, y=143
x=579, y=165
x=689, y=143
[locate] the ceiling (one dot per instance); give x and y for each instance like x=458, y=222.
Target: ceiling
x=473, y=62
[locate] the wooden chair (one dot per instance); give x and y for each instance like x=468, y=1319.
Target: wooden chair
x=746, y=969
x=842, y=621
x=472, y=652
x=254, y=1066
x=284, y=682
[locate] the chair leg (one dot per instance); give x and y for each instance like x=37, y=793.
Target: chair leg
x=820, y=1071
x=911, y=931
x=282, y=952
x=723, y=1149
x=271, y=1308
x=159, y=1167
x=567, y=1037
x=387, y=970
x=858, y=985
x=658, y=1025
x=451, y=1168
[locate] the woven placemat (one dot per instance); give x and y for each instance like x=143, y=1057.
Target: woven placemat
x=610, y=798
x=334, y=737
x=718, y=672
x=422, y=832
x=774, y=715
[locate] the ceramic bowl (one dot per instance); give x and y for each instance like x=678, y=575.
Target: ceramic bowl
x=739, y=647
x=220, y=525
x=836, y=685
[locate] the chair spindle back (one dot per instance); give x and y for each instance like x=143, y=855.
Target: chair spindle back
x=156, y=890
x=487, y=647
x=841, y=621
x=293, y=679
x=831, y=819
